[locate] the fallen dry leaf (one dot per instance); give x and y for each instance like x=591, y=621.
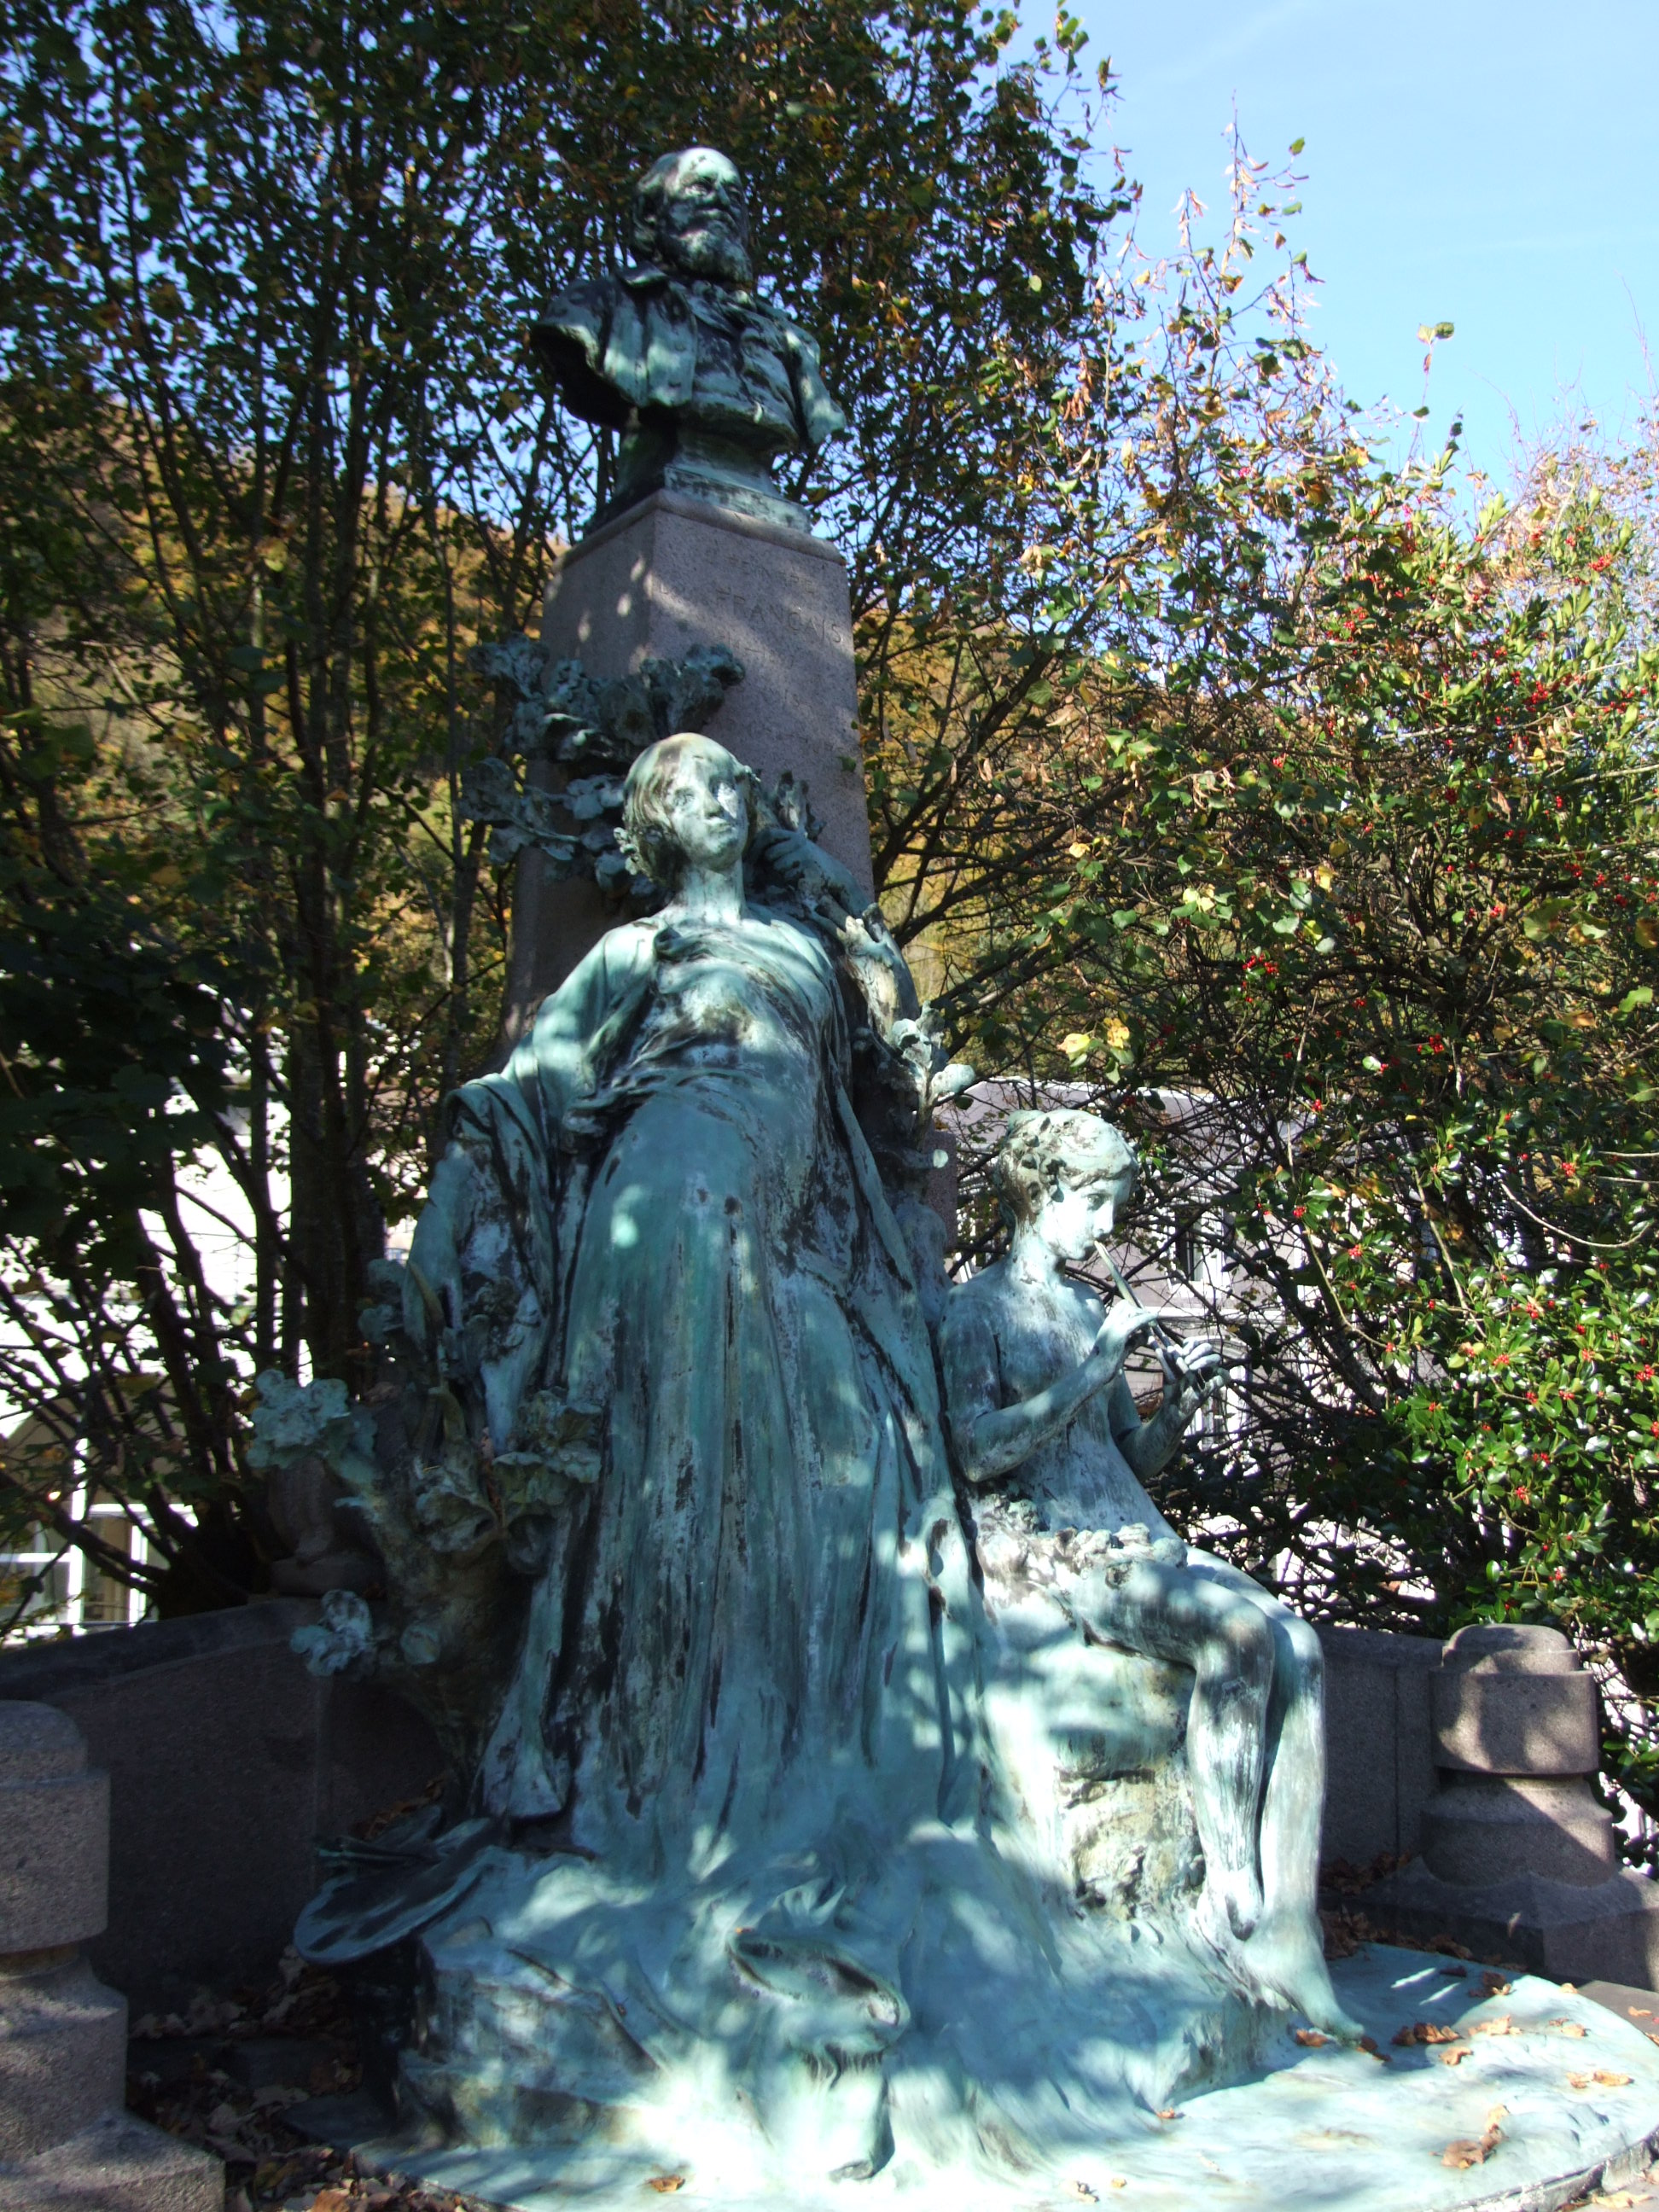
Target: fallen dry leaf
x=666, y=2184
x=1471, y=2152
x=1568, y=2028
x=1312, y=2039
x=1368, y=2044
x=1493, y=1985
x=1169, y=2113
x=1620, y=2201
x=1427, y=2031
x=331, y=2200
x=1503, y=2025
x=1638, y=2012
x=1455, y=2058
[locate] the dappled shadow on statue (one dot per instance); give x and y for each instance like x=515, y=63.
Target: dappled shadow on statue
x=765, y=1843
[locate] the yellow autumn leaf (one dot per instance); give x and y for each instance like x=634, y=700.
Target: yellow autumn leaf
x=1116, y=1034
x=1076, y=1045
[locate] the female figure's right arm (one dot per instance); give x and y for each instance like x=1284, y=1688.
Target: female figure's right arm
x=558, y=1061
x=491, y=1197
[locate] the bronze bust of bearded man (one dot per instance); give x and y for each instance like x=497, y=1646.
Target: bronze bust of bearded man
x=707, y=383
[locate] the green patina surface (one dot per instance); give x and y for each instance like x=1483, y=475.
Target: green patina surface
x=707, y=384
x=783, y=1820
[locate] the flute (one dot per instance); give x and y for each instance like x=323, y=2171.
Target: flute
x=1169, y=1349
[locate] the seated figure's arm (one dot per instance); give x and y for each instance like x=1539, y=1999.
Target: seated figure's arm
x=992, y=1438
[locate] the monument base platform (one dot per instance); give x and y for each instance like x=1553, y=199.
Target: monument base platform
x=1540, y=2096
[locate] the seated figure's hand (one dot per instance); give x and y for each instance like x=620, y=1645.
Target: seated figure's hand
x=1125, y=1324
x=1194, y=1378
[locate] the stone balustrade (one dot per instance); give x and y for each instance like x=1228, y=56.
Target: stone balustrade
x=227, y=1759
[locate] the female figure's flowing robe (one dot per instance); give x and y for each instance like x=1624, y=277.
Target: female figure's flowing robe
x=728, y=1331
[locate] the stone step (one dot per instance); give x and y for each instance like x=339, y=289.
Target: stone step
x=119, y=2165
x=63, y=2055
x=1565, y=1930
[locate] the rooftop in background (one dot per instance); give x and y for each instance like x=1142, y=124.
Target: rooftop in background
x=1489, y=163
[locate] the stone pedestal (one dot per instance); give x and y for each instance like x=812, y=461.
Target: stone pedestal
x=64, y=2139
x=1517, y=1855
x=671, y=574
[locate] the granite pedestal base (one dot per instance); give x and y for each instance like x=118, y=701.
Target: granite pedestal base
x=1551, y=2096
x=671, y=574
x=118, y=2165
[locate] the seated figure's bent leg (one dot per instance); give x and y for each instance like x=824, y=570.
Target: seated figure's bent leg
x=1288, y=1952
x=1294, y=1794
x=1193, y=1621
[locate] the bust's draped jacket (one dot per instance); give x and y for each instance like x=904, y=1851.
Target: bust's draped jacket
x=627, y=342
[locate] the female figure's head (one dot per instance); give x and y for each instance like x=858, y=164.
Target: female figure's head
x=1065, y=1177
x=687, y=804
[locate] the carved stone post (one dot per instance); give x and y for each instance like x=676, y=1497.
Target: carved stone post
x=64, y=2138
x=1518, y=1856
x=1515, y=1740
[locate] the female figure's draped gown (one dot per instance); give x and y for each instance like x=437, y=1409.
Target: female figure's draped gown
x=747, y=1674
x=737, y=1335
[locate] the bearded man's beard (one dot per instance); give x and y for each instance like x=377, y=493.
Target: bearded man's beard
x=714, y=253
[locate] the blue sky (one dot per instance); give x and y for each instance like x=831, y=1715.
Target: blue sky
x=1493, y=166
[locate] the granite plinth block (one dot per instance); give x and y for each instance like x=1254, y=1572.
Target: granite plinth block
x=226, y=1761
x=65, y=2140
x=1519, y=1857
x=1507, y=1723
x=1605, y=1931
x=672, y=575
x=62, y=2055
x=1486, y=1827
